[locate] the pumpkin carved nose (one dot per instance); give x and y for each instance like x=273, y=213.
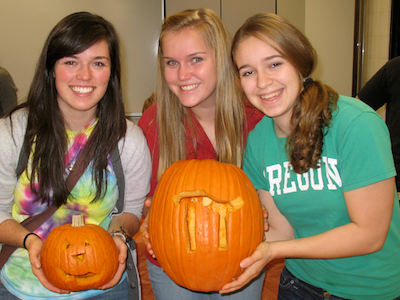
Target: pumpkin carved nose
x=79, y=257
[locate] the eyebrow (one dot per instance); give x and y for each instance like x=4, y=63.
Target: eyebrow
x=96, y=57
x=192, y=54
x=263, y=60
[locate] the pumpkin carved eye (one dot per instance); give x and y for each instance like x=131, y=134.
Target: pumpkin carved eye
x=205, y=218
x=65, y=245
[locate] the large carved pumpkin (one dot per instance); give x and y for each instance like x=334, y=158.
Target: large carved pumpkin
x=205, y=218
x=78, y=257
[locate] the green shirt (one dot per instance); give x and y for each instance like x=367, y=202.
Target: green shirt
x=356, y=153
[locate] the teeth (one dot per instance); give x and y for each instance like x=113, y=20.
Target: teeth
x=82, y=90
x=189, y=87
x=272, y=95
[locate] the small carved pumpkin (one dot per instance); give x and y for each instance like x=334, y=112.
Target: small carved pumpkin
x=205, y=218
x=78, y=257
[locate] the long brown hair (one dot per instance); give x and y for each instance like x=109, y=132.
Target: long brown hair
x=45, y=131
x=312, y=111
x=229, y=110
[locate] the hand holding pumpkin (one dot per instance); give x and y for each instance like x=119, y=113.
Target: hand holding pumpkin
x=34, y=250
x=147, y=205
x=144, y=230
x=123, y=253
x=265, y=216
x=252, y=265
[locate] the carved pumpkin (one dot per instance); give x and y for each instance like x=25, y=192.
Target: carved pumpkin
x=78, y=257
x=205, y=218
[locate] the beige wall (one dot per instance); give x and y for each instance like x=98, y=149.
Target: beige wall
x=377, y=36
x=294, y=11
x=232, y=12
x=329, y=25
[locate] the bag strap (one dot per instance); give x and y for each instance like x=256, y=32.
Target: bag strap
x=119, y=174
x=131, y=260
x=34, y=222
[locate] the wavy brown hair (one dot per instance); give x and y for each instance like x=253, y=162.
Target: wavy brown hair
x=229, y=110
x=46, y=132
x=312, y=112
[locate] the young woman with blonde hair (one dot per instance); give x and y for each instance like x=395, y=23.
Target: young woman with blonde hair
x=199, y=113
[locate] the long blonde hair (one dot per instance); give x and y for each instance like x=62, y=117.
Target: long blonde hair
x=229, y=111
x=312, y=111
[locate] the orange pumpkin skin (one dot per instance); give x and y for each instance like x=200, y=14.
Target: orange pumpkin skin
x=79, y=258
x=188, y=236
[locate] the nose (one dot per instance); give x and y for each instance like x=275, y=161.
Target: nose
x=263, y=80
x=84, y=72
x=184, y=72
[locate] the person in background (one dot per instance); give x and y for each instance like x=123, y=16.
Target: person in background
x=199, y=114
x=8, y=92
x=149, y=102
x=384, y=88
x=75, y=96
x=321, y=163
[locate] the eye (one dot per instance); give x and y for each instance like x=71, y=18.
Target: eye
x=275, y=64
x=70, y=63
x=171, y=63
x=247, y=73
x=197, y=59
x=99, y=64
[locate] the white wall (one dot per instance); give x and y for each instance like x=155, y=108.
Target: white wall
x=25, y=24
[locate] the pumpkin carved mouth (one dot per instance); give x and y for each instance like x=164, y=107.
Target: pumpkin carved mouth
x=223, y=208
x=87, y=275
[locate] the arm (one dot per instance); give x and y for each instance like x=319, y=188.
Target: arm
x=366, y=233
x=12, y=233
x=135, y=160
x=279, y=227
x=128, y=223
x=375, y=91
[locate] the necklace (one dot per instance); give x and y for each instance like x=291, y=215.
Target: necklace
x=71, y=165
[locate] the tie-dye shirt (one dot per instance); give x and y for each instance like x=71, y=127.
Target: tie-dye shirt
x=17, y=274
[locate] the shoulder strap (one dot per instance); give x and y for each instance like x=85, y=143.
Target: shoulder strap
x=119, y=173
x=131, y=263
x=20, y=167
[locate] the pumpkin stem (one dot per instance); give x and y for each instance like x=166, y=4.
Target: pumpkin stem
x=78, y=221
